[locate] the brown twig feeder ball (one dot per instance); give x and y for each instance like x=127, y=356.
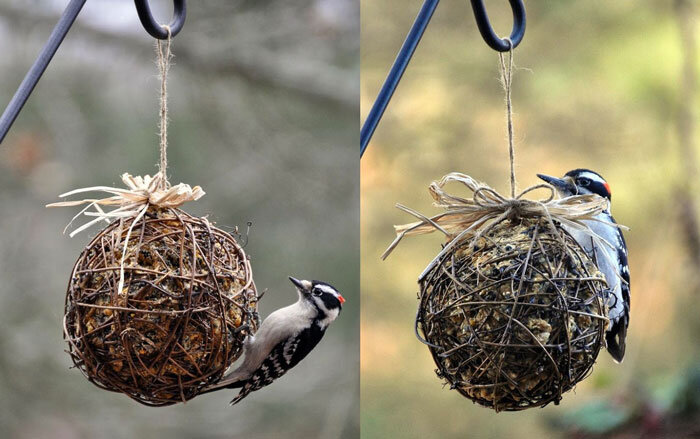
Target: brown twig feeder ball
x=179, y=321
x=160, y=302
x=513, y=309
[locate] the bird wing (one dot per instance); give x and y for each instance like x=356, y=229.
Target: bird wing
x=285, y=355
x=615, y=337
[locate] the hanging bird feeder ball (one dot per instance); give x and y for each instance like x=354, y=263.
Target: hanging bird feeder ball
x=516, y=318
x=187, y=303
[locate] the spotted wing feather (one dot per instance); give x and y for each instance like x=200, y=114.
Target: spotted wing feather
x=284, y=356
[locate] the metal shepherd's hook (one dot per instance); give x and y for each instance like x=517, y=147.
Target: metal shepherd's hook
x=59, y=33
x=155, y=29
x=411, y=42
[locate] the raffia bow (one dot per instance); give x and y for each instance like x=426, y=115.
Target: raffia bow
x=469, y=219
x=132, y=201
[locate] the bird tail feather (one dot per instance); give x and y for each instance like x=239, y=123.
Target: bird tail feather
x=615, y=339
x=225, y=383
x=245, y=391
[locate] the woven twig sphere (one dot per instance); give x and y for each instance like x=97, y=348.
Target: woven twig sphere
x=517, y=320
x=180, y=320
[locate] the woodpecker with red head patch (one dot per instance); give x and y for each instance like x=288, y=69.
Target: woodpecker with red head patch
x=612, y=262
x=284, y=338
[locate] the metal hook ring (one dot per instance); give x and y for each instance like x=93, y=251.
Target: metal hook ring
x=155, y=29
x=487, y=32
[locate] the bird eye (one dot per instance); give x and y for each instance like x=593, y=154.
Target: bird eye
x=584, y=182
x=317, y=292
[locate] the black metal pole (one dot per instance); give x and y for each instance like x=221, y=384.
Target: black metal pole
x=392, y=80
x=30, y=80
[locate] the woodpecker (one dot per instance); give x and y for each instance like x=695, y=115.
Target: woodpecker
x=612, y=262
x=285, y=337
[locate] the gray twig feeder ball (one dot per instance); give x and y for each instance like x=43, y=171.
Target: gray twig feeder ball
x=516, y=318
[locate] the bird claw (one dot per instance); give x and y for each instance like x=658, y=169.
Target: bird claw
x=256, y=317
x=241, y=328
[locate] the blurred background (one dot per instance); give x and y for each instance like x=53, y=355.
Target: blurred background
x=611, y=86
x=263, y=108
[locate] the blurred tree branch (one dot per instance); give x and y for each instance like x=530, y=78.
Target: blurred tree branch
x=685, y=15
x=311, y=79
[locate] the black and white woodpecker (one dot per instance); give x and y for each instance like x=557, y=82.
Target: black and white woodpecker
x=612, y=262
x=285, y=337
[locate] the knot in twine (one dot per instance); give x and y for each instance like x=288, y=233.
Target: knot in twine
x=490, y=200
x=467, y=219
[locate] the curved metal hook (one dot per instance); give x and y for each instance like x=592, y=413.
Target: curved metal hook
x=155, y=29
x=487, y=32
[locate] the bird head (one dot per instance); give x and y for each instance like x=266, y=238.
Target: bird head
x=579, y=182
x=321, y=295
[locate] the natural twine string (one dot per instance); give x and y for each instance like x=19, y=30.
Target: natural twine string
x=164, y=68
x=507, y=81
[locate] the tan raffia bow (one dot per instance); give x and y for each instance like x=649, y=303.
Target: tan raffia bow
x=132, y=201
x=466, y=218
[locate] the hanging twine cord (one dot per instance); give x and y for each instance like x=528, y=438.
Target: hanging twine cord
x=507, y=81
x=164, y=68
x=468, y=219
x=140, y=192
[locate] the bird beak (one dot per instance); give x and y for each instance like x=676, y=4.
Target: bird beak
x=302, y=285
x=561, y=184
x=296, y=282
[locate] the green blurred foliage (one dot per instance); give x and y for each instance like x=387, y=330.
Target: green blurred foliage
x=255, y=123
x=597, y=85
